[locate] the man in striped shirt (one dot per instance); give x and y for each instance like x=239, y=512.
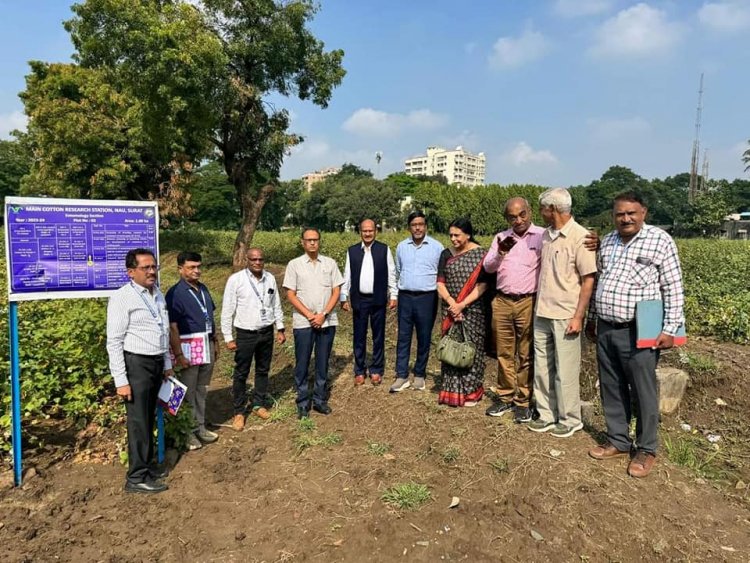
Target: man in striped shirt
x=138, y=348
x=636, y=262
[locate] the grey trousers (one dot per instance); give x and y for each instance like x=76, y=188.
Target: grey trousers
x=197, y=380
x=627, y=376
x=557, y=370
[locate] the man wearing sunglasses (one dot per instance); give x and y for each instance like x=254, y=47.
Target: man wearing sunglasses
x=251, y=298
x=138, y=348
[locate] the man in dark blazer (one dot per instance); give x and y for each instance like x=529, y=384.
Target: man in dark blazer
x=369, y=287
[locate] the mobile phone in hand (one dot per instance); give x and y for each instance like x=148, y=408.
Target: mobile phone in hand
x=506, y=244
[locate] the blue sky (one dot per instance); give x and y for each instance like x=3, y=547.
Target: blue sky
x=552, y=91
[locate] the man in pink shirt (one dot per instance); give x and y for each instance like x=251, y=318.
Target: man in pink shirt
x=515, y=256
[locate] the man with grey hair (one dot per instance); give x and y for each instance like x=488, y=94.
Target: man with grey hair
x=566, y=281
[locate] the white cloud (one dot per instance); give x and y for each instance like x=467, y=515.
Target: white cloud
x=638, y=31
x=522, y=154
x=577, y=8
x=372, y=122
x=11, y=121
x=513, y=52
x=612, y=129
x=730, y=16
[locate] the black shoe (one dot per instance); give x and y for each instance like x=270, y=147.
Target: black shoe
x=158, y=473
x=521, y=414
x=323, y=409
x=499, y=409
x=148, y=487
x=303, y=413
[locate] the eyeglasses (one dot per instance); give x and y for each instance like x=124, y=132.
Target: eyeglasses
x=148, y=268
x=255, y=260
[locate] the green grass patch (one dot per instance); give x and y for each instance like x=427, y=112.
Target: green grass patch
x=691, y=452
x=450, y=454
x=499, y=465
x=308, y=440
x=406, y=496
x=282, y=412
x=378, y=448
x=306, y=425
x=698, y=364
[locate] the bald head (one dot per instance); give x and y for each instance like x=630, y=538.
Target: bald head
x=518, y=215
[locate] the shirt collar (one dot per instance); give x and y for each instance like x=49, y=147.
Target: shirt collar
x=425, y=240
x=188, y=286
x=567, y=227
x=252, y=276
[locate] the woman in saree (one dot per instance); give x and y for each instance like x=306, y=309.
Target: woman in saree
x=460, y=284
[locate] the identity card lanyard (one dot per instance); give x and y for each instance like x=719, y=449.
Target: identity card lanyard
x=154, y=314
x=255, y=289
x=204, y=308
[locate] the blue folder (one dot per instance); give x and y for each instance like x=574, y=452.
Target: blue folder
x=649, y=317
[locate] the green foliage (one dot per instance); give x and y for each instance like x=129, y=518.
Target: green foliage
x=717, y=288
x=15, y=162
x=499, y=465
x=343, y=200
x=214, y=198
x=177, y=429
x=692, y=452
x=450, y=454
x=378, y=448
x=407, y=496
x=64, y=362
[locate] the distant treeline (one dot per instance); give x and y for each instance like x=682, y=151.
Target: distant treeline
x=341, y=200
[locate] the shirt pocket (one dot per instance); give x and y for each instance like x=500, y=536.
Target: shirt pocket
x=326, y=277
x=642, y=275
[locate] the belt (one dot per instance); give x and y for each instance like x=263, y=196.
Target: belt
x=515, y=297
x=149, y=356
x=628, y=324
x=264, y=329
x=409, y=292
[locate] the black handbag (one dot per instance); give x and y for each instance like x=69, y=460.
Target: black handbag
x=459, y=354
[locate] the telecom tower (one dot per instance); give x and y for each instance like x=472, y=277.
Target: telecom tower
x=693, y=186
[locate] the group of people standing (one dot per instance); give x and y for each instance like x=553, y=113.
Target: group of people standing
x=527, y=296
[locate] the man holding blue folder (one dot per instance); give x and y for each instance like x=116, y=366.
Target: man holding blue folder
x=636, y=263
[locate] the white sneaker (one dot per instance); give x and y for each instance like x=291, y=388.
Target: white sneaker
x=399, y=385
x=206, y=436
x=418, y=384
x=193, y=443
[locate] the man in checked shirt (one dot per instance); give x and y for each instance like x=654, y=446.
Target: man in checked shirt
x=637, y=262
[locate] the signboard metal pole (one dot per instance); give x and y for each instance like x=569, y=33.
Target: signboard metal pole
x=15, y=393
x=159, y=434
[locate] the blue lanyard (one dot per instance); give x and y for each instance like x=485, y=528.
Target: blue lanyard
x=154, y=314
x=203, y=306
x=255, y=289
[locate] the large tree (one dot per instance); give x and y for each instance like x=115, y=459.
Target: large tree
x=195, y=79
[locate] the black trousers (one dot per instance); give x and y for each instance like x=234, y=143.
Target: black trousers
x=257, y=345
x=627, y=375
x=145, y=374
x=368, y=312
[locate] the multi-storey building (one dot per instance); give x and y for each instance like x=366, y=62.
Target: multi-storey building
x=457, y=166
x=312, y=177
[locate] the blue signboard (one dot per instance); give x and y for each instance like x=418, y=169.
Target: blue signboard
x=58, y=248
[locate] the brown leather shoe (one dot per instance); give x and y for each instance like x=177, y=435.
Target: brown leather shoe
x=238, y=422
x=359, y=380
x=376, y=378
x=641, y=465
x=606, y=451
x=261, y=412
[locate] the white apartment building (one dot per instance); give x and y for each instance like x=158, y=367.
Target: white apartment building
x=312, y=177
x=458, y=166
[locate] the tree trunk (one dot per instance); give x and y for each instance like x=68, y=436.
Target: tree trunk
x=251, y=208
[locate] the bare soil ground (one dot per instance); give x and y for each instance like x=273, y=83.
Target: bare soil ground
x=266, y=494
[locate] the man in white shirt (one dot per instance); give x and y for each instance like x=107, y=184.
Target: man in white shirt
x=369, y=279
x=138, y=348
x=252, y=298
x=313, y=283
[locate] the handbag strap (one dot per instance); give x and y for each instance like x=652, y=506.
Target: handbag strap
x=458, y=326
